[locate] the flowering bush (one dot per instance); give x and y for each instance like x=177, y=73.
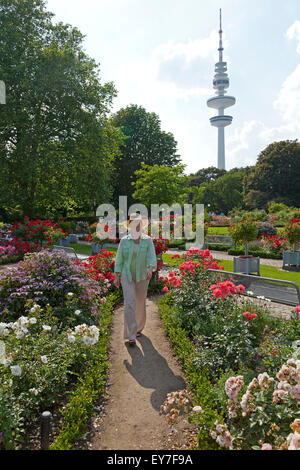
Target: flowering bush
x=81, y=227
x=101, y=268
x=5, y=230
x=53, y=235
x=161, y=245
x=220, y=220
x=8, y=251
x=276, y=243
x=292, y=231
x=37, y=360
x=49, y=277
x=263, y=416
x=266, y=229
x=244, y=231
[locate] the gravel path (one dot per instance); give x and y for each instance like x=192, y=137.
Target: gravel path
x=139, y=380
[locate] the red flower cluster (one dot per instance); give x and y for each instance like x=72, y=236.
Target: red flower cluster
x=161, y=245
x=100, y=266
x=189, y=267
x=28, y=234
x=249, y=315
x=222, y=289
x=277, y=243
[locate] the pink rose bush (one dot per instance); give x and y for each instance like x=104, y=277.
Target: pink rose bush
x=260, y=416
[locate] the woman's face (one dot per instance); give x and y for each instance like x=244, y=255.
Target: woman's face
x=135, y=228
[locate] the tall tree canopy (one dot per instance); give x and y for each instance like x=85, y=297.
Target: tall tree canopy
x=160, y=185
x=206, y=175
x=56, y=146
x=223, y=194
x=145, y=143
x=276, y=175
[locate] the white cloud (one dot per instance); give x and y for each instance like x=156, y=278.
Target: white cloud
x=245, y=144
x=294, y=33
x=288, y=101
x=254, y=136
x=174, y=71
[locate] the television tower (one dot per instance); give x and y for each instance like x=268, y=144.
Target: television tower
x=221, y=102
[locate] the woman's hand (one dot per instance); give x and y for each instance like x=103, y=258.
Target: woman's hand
x=117, y=280
x=149, y=273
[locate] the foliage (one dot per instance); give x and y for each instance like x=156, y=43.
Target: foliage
x=145, y=142
x=244, y=231
x=38, y=362
x=201, y=388
x=276, y=174
x=54, y=128
x=206, y=175
x=158, y=184
x=223, y=194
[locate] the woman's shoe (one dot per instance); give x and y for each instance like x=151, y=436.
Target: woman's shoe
x=132, y=342
x=139, y=333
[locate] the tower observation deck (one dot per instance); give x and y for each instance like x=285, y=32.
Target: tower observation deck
x=221, y=101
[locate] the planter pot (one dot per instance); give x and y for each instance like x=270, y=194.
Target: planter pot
x=246, y=264
x=291, y=258
x=72, y=238
x=96, y=247
x=64, y=242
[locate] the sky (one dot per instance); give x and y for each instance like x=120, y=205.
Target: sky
x=161, y=55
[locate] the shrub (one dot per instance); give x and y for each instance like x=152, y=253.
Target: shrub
x=244, y=231
x=266, y=229
x=48, y=277
x=37, y=364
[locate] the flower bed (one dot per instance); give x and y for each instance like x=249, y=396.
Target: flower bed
x=232, y=338
x=54, y=327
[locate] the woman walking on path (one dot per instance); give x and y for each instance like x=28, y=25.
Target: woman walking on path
x=134, y=265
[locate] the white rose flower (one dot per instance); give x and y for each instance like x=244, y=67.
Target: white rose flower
x=70, y=294
x=44, y=359
x=34, y=391
x=5, y=362
x=77, y=312
x=46, y=328
x=16, y=370
x=32, y=320
x=71, y=338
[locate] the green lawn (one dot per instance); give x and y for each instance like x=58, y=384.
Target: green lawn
x=218, y=230
x=265, y=271
x=83, y=249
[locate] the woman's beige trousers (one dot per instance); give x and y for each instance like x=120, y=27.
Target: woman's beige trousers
x=135, y=294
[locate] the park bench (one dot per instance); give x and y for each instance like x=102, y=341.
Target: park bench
x=70, y=251
x=277, y=290
x=225, y=240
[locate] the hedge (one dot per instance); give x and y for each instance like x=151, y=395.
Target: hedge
x=261, y=254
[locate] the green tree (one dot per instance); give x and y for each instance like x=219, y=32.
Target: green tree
x=223, y=194
x=276, y=175
x=160, y=185
x=206, y=175
x=145, y=143
x=55, y=142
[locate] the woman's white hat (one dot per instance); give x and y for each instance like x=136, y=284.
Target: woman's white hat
x=135, y=217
